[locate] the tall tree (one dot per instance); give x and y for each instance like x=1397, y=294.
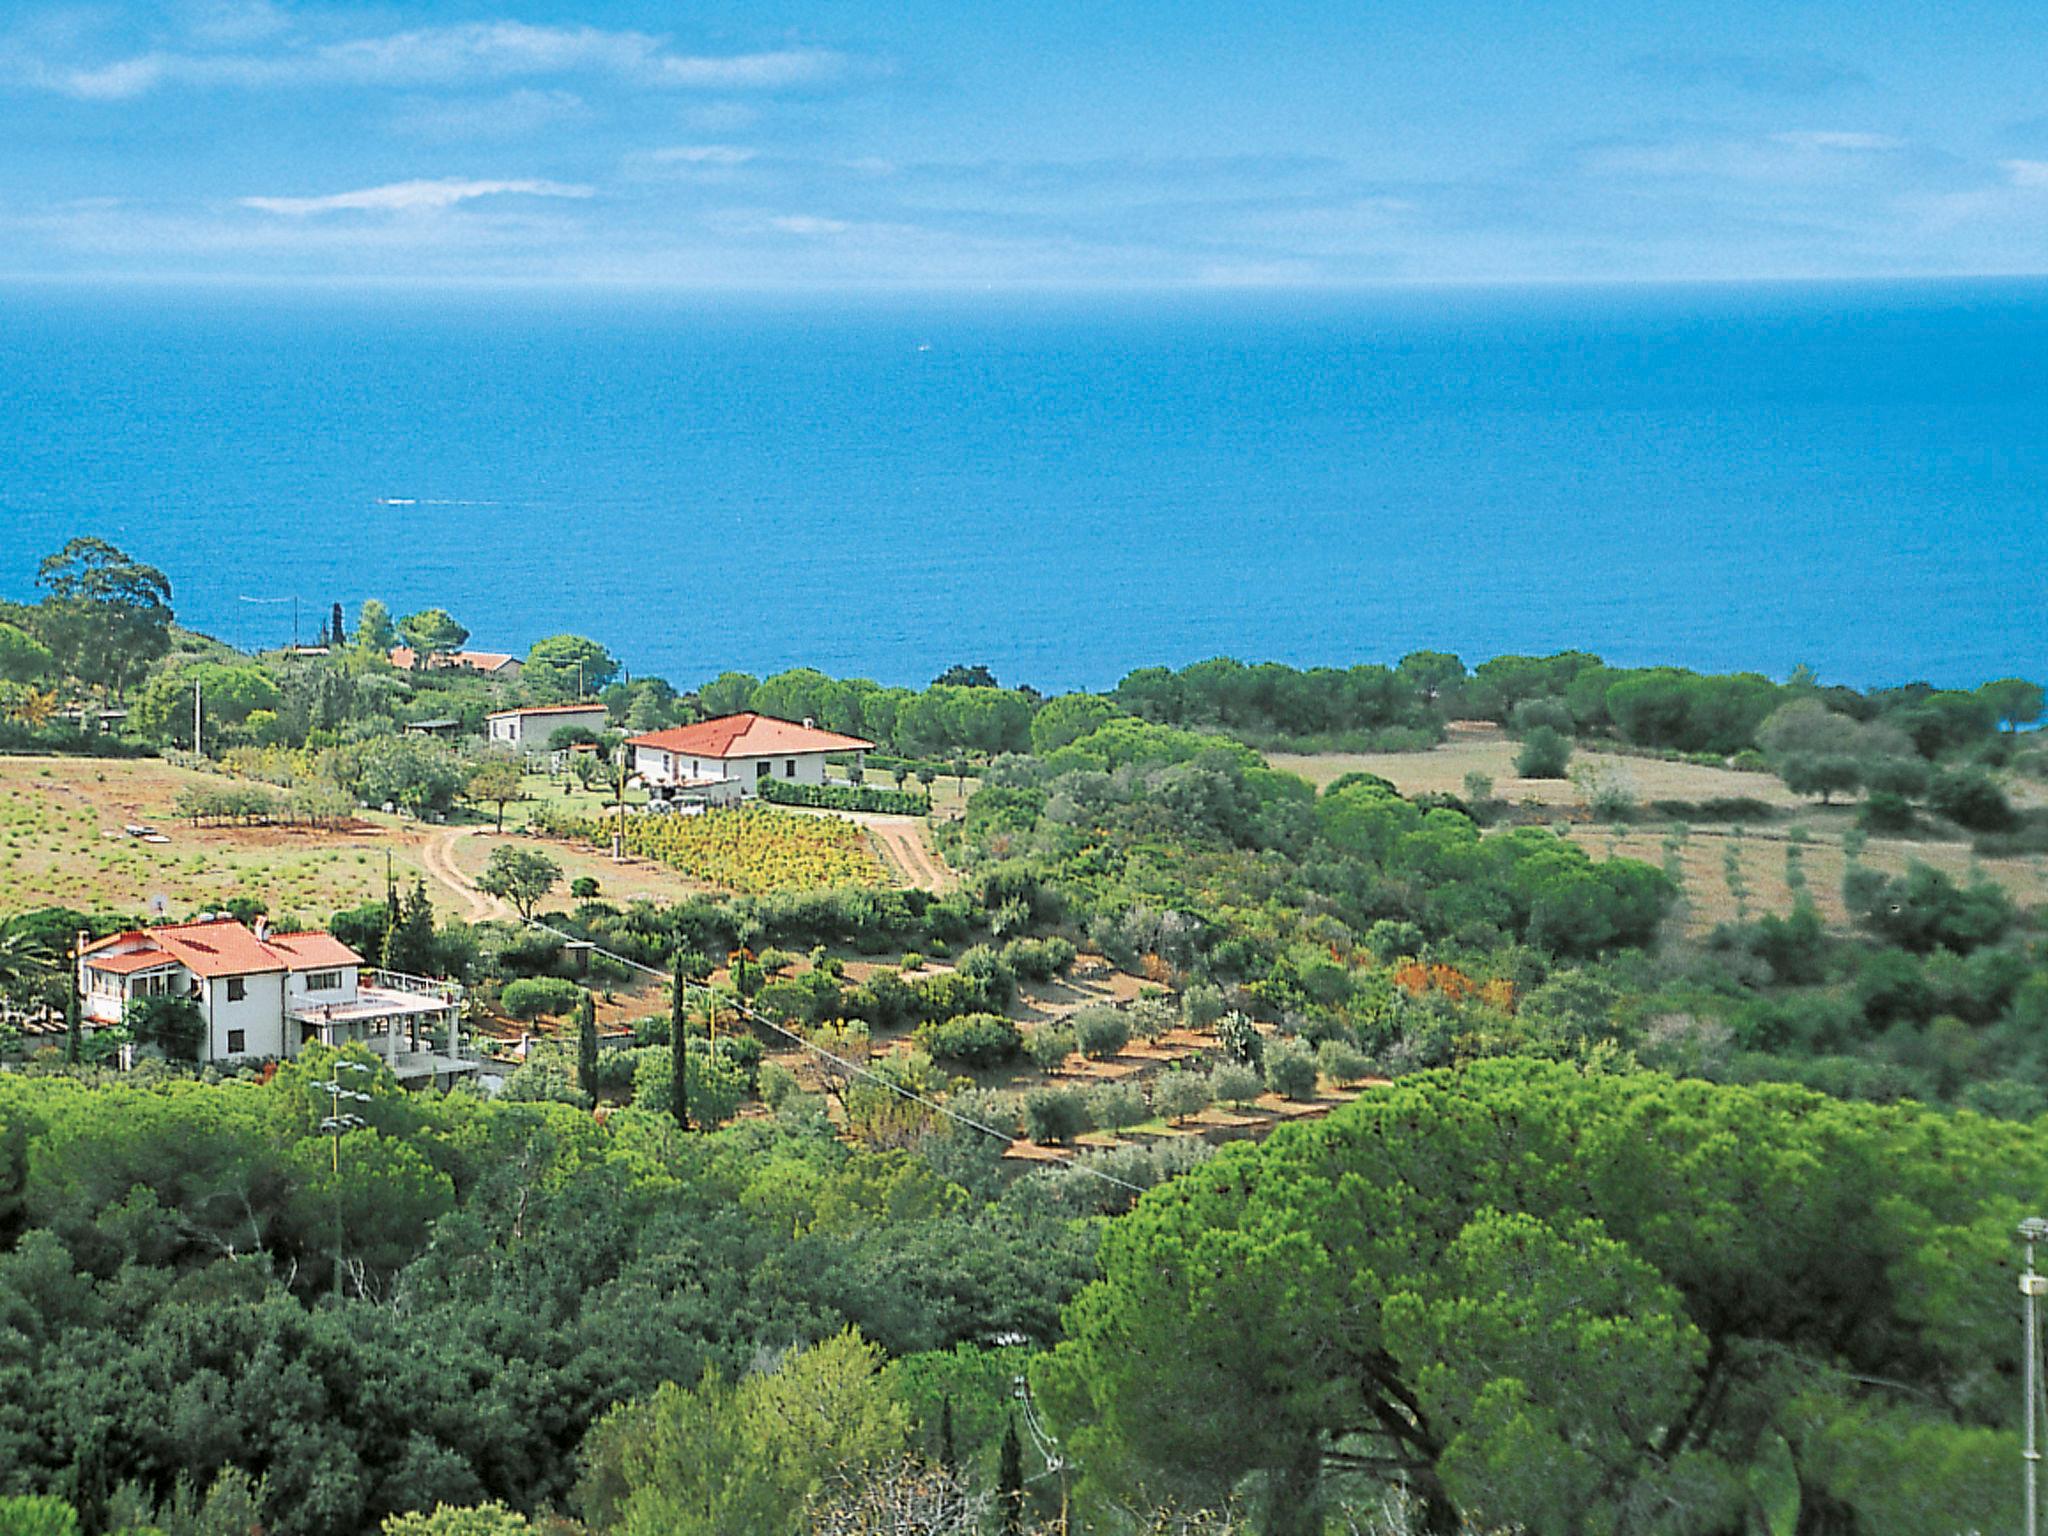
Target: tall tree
x=522, y=876
x=679, y=1049
x=1010, y=1480
x=586, y=1044
x=336, y=636
x=498, y=777
x=107, y=616
x=569, y=667
x=431, y=631
x=374, y=629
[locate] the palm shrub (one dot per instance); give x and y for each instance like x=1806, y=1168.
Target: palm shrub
x=1291, y=1069
x=1102, y=1032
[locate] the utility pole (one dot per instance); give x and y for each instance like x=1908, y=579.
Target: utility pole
x=2032, y=1286
x=198, y=748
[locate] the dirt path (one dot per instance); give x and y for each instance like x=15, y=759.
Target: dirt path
x=438, y=854
x=904, y=843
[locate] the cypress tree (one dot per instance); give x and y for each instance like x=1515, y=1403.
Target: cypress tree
x=1010, y=1481
x=336, y=638
x=947, y=1458
x=586, y=1045
x=679, y=1052
x=412, y=947
x=74, y=1028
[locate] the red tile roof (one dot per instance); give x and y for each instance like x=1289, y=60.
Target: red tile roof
x=222, y=947
x=406, y=659
x=313, y=950
x=136, y=960
x=748, y=735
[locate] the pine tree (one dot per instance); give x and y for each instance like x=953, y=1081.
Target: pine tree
x=679, y=1052
x=586, y=1045
x=1010, y=1481
x=412, y=950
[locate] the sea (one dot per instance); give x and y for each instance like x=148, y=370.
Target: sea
x=1852, y=477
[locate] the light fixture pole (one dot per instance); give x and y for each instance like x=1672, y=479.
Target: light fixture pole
x=2032, y=1286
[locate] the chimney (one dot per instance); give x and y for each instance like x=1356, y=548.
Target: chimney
x=262, y=928
x=810, y=724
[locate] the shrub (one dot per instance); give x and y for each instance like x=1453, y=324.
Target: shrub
x=1883, y=811
x=544, y=1078
x=1390, y=940
x=1116, y=1105
x=1178, y=1094
x=584, y=887
x=1733, y=808
x=531, y=996
x=777, y=1083
x=1049, y=1045
x=971, y=1039
x=773, y=961
x=1545, y=754
x=1241, y=1038
x=1201, y=1005
x=911, y=961
x=1341, y=1061
x=1232, y=1082
x=1971, y=798
x=1102, y=1032
x=845, y=797
x=1038, y=959
x=1749, y=760
x=1291, y=1069
x=1054, y=1115
x=1150, y=1017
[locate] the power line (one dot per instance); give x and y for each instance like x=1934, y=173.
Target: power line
x=853, y=1067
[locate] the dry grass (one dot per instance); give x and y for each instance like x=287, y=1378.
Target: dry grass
x=629, y=880
x=61, y=844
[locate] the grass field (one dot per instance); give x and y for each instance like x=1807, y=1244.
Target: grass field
x=62, y=844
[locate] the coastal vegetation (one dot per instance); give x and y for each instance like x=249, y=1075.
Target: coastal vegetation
x=1535, y=1095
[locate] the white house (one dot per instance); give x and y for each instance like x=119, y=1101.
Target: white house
x=528, y=730
x=266, y=994
x=721, y=760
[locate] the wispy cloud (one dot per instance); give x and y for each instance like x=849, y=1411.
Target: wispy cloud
x=467, y=54
x=411, y=197
x=702, y=154
x=2030, y=174
x=1849, y=142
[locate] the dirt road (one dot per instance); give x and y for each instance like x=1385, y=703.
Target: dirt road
x=438, y=854
x=905, y=844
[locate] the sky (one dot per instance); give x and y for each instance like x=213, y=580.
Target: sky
x=823, y=144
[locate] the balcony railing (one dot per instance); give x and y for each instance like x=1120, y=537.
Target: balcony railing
x=400, y=981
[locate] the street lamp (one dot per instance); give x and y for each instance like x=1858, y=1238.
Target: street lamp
x=2032, y=1287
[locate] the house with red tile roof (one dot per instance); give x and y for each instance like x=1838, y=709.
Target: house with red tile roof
x=265, y=994
x=498, y=664
x=722, y=760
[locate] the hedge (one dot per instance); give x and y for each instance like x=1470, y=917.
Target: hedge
x=845, y=797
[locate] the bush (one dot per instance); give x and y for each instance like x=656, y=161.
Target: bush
x=1291, y=1069
x=1883, y=811
x=777, y=1083
x=531, y=996
x=1038, y=959
x=1116, y=1105
x=1749, y=760
x=1201, y=1005
x=584, y=887
x=1054, y=1115
x=1341, y=1061
x=1178, y=1094
x=1049, y=1045
x=1241, y=1038
x=971, y=1039
x=1545, y=754
x=543, y=1078
x=845, y=797
x=1150, y=1017
x=1102, y=1032
x=1232, y=1082
x=1971, y=798
x=1389, y=940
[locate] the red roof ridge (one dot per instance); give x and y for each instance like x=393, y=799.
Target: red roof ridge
x=726, y=736
x=548, y=709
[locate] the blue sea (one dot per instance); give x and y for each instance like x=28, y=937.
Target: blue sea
x=1850, y=477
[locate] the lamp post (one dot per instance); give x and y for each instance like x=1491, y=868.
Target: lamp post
x=2032, y=1286
x=337, y=1124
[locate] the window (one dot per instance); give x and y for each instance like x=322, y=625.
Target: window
x=237, y=989
x=789, y=768
x=761, y=770
x=238, y=1041
x=323, y=981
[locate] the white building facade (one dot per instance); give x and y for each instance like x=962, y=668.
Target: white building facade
x=723, y=760
x=530, y=730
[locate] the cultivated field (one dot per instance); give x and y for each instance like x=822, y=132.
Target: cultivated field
x=1700, y=852
x=62, y=844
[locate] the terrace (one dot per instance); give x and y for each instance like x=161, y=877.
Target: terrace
x=412, y=1022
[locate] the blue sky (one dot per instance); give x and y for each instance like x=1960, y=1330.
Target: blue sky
x=963, y=144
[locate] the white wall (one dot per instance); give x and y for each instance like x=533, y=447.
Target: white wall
x=298, y=996
x=259, y=1015
x=661, y=767
x=530, y=733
